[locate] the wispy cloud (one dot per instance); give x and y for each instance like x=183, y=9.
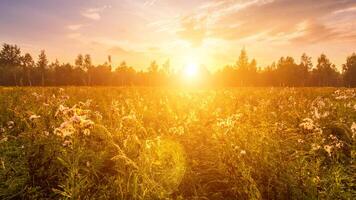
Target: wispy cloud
x=350, y=9
x=75, y=27
x=270, y=19
x=94, y=13
x=149, y=2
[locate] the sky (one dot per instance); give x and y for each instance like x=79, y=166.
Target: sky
x=205, y=32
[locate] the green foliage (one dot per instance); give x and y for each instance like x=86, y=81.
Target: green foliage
x=146, y=143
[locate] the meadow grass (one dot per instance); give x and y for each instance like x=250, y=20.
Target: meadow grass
x=155, y=143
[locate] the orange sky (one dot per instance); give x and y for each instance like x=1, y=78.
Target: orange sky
x=209, y=32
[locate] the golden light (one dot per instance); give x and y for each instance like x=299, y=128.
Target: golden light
x=191, y=70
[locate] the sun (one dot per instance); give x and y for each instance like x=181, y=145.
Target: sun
x=191, y=70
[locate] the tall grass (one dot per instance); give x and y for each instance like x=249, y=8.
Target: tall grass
x=146, y=143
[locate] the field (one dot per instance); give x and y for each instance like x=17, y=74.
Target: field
x=154, y=143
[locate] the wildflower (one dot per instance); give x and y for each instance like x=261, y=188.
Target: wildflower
x=300, y=141
x=98, y=115
x=339, y=145
x=344, y=94
x=76, y=119
x=148, y=144
x=353, y=127
x=130, y=117
x=61, y=110
x=46, y=133
x=325, y=114
x=318, y=131
x=307, y=124
x=328, y=149
x=87, y=123
x=33, y=117
x=86, y=132
x=315, y=147
x=177, y=130
x=36, y=95
x=87, y=164
x=67, y=143
x=316, y=179
x=242, y=152
x=316, y=113
x=5, y=139
x=65, y=129
x=2, y=130
x=10, y=124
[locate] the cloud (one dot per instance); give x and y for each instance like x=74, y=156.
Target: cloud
x=124, y=53
x=93, y=16
x=193, y=29
x=73, y=35
x=75, y=27
x=350, y=9
x=149, y=2
x=94, y=13
x=270, y=20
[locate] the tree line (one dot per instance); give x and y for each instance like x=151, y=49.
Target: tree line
x=17, y=69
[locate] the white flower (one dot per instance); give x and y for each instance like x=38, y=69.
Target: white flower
x=86, y=132
x=307, y=124
x=67, y=143
x=148, y=144
x=76, y=119
x=339, y=145
x=242, y=152
x=5, y=139
x=33, y=117
x=10, y=124
x=316, y=179
x=353, y=127
x=315, y=147
x=328, y=149
x=62, y=110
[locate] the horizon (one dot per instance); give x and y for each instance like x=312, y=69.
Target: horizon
x=204, y=32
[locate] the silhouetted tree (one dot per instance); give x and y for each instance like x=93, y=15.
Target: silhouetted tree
x=242, y=67
x=325, y=73
x=306, y=66
x=42, y=65
x=10, y=62
x=153, y=73
x=27, y=64
x=349, y=71
x=124, y=75
x=88, y=67
x=17, y=69
x=79, y=61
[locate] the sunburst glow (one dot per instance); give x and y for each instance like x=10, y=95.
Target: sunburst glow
x=191, y=70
